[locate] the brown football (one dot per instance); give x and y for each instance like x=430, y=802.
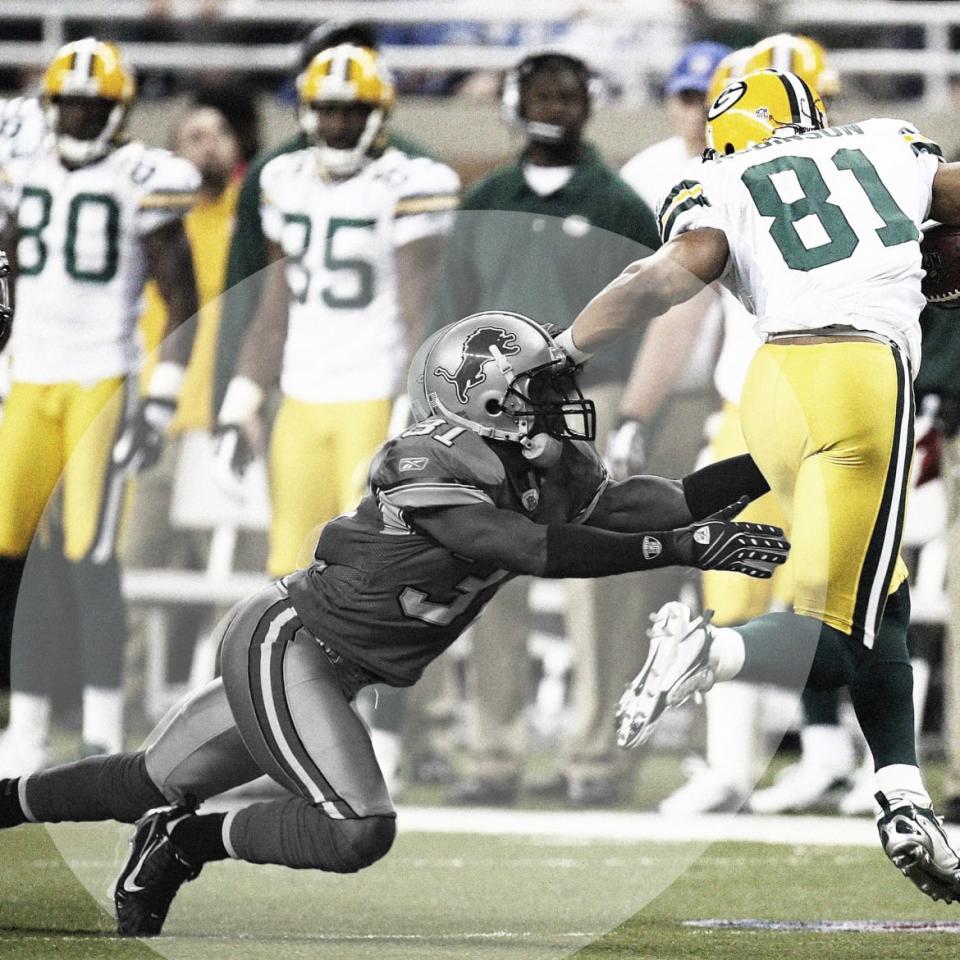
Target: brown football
x=940, y=250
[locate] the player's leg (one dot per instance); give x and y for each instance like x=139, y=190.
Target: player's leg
x=303, y=491
x=94, y=494
x=31, y=452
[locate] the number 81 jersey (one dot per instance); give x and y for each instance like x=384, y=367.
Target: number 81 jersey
x=823, y=226
x=81, y=262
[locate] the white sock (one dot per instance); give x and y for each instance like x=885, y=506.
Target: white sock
x=732, y=733
x=902, y=781
x=103, y=718
x=828, y=746
x=727, y=652
x=29, y=717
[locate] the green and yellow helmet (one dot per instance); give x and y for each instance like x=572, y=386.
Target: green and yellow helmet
x=346, y=74
x=760, y=105
x=93, y=70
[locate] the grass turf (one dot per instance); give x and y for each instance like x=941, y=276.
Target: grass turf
x=442, y=897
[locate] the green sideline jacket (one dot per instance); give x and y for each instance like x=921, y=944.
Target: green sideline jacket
x=546, y=256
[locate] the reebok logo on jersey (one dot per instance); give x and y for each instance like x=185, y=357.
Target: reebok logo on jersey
x=702, y=535
x=652, y=548
x=413, y=463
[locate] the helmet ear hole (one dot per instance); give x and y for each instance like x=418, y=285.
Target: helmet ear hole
x=729, y=149
x=493, y=406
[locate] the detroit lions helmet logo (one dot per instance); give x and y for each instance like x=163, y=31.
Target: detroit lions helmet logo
x=475, y=354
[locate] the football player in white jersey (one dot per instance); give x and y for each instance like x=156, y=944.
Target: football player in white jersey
x=354, y=230
x=89, y=216
x=816, y=230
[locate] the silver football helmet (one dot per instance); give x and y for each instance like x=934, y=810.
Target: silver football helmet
x=502, y=376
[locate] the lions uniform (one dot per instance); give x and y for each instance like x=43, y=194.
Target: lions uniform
x=346, y=347
x=374, y=569
x=81, y=269
x=823, y=231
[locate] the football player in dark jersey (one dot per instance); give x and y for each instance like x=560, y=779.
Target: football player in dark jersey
x=498, y=477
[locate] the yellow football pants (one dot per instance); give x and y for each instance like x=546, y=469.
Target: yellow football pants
x=69, y=429
x=733, y=597
x=830, y=425
x=319, y=456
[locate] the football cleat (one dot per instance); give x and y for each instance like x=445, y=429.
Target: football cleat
x=153, y=872
x=677, y=668
x=914, y=839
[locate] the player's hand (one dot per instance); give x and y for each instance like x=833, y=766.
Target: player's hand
x=233, y=454
x=626, y=451
x=6, y=310
x=721, y=543
x=141, y=441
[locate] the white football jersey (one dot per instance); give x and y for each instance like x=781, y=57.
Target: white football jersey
x=81, y=262
x=823, y=227
x=345, y=338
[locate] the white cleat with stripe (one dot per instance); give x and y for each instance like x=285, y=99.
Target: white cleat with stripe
x=677, y=668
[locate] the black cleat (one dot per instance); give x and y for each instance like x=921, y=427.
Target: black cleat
x=154, y=870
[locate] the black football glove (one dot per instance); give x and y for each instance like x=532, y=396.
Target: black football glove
x=233, y=454
x=141, y=441
x=721, y=543
x=6, y=311
x=626, y=451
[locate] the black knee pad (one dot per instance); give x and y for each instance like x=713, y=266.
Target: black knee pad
x=363, y=841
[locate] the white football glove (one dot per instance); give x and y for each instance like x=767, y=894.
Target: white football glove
x=237, y=435
x=626, y=452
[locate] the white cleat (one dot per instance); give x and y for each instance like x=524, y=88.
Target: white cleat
x=677, y=668
x=20, y=756
x=914, y=839
x=707, y=791
x=799, y=787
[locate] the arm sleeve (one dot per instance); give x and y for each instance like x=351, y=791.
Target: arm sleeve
x=426, y=202
x=168, y=192
x=719, y=484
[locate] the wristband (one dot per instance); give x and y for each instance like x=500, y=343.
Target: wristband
x=166, y=380
x=241, y=401
x=565, y=342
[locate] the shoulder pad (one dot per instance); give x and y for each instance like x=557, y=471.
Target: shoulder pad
x=167, y=181
x=434, y=464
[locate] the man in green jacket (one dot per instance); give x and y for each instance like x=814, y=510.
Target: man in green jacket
x=539, y=237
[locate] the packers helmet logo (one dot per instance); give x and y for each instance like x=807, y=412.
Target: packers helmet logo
x=475, y=354
x=728, y=97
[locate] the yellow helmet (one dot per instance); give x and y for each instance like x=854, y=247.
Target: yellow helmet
x=729, y=68
x=88, y=69
x=796, y=54
x=760, y=105
x=346, y=74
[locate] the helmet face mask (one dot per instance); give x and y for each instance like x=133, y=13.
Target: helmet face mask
x=502, y=376
x=345, y=98
x=87, y=93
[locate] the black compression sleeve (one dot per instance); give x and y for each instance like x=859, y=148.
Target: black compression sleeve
x=720, y=484
x=575, y=551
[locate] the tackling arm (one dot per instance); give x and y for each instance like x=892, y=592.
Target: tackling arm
x=511, y=542
x=650, y=287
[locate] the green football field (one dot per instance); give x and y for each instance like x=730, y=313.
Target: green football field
x=463, y=895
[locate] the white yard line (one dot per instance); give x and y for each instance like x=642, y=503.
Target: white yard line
x=633, y=827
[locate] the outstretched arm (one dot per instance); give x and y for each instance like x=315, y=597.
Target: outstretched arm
x=512, y=542
x=648, y=288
